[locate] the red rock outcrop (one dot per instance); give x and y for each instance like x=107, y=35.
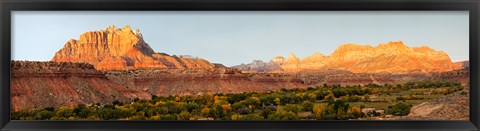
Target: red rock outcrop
x=292, y=63
x=121, y=49
x=54, y=84
x=393, y=57
x=186, y=81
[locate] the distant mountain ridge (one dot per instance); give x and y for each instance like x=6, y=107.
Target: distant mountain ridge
x=259, y=66
x=393, y=57
x=122, y=49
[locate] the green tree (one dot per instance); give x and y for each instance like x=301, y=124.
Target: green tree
x=184, y=115
x=399, y=109
x=291, y=108
x=312, y=97
x=65, y=112
x=329, y=97
x=117, y=103
x=205, y=112
x=250, y=117
x=82, y=111
x=168, y=117
x=307, y=106
x=44, y=115
x=282, y=115
x=266, y=112
x=244, y=110
x=138, y=117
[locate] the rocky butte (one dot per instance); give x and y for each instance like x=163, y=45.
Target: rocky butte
x=393, y=57
x=121, y=49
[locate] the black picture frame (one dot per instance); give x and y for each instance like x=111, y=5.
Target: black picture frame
x=7, y=6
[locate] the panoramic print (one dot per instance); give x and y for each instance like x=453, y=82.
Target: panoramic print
x=253, y=65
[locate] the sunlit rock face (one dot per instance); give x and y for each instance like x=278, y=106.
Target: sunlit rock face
x=389, y=58
x=392, y=57
x=121, y=49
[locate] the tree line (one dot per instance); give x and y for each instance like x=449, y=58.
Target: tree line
x=325, y=102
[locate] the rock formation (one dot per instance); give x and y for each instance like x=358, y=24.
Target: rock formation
x=258, y=66
x=261, y=66
x=121, y=49
x=389, y=58
x=463, y=64
x=54, y=84
x=315, y=61
x=393, y=57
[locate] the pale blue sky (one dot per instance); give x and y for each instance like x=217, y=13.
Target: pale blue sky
x=235, y=37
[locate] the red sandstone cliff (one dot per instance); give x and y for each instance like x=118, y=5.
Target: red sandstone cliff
x=389, y=58
x=121, y=49
x=54, y=84
x=393, y=57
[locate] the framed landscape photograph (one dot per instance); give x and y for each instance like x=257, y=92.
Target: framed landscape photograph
x=239, y=65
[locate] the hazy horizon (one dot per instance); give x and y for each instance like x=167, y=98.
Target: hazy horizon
x=236, y=37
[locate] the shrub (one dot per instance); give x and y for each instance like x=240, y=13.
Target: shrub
x=354, y=98
x=118, y=103
x=205, y=112
x=244, y=110
x=329, y=97
x=400, y=109
x=291, y=108
x=168, y=117
x=373, y=113
x=312, y=97
x=22, y=114
x=249, y=117
x=266, y=112
x=184, y=115
x=307, y=106
x=137, y=117
x=282, y=115
x=65, y=112
x=82, y=111
x=109, y=114
x=44, y=115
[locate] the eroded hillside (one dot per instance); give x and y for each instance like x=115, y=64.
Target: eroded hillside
x=53, y=84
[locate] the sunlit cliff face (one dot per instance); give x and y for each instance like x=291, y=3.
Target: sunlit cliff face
x=393, y=57
x=121, y=49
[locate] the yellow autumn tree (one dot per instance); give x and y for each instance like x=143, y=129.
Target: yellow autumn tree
x=329, y=97
x=215, y=98
x=312, y=96
x=226, y=108
x=318, y=111
x=277, y=101
x=235, y=117
x=205, y=112
x=251, y=108
x=177, y=99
